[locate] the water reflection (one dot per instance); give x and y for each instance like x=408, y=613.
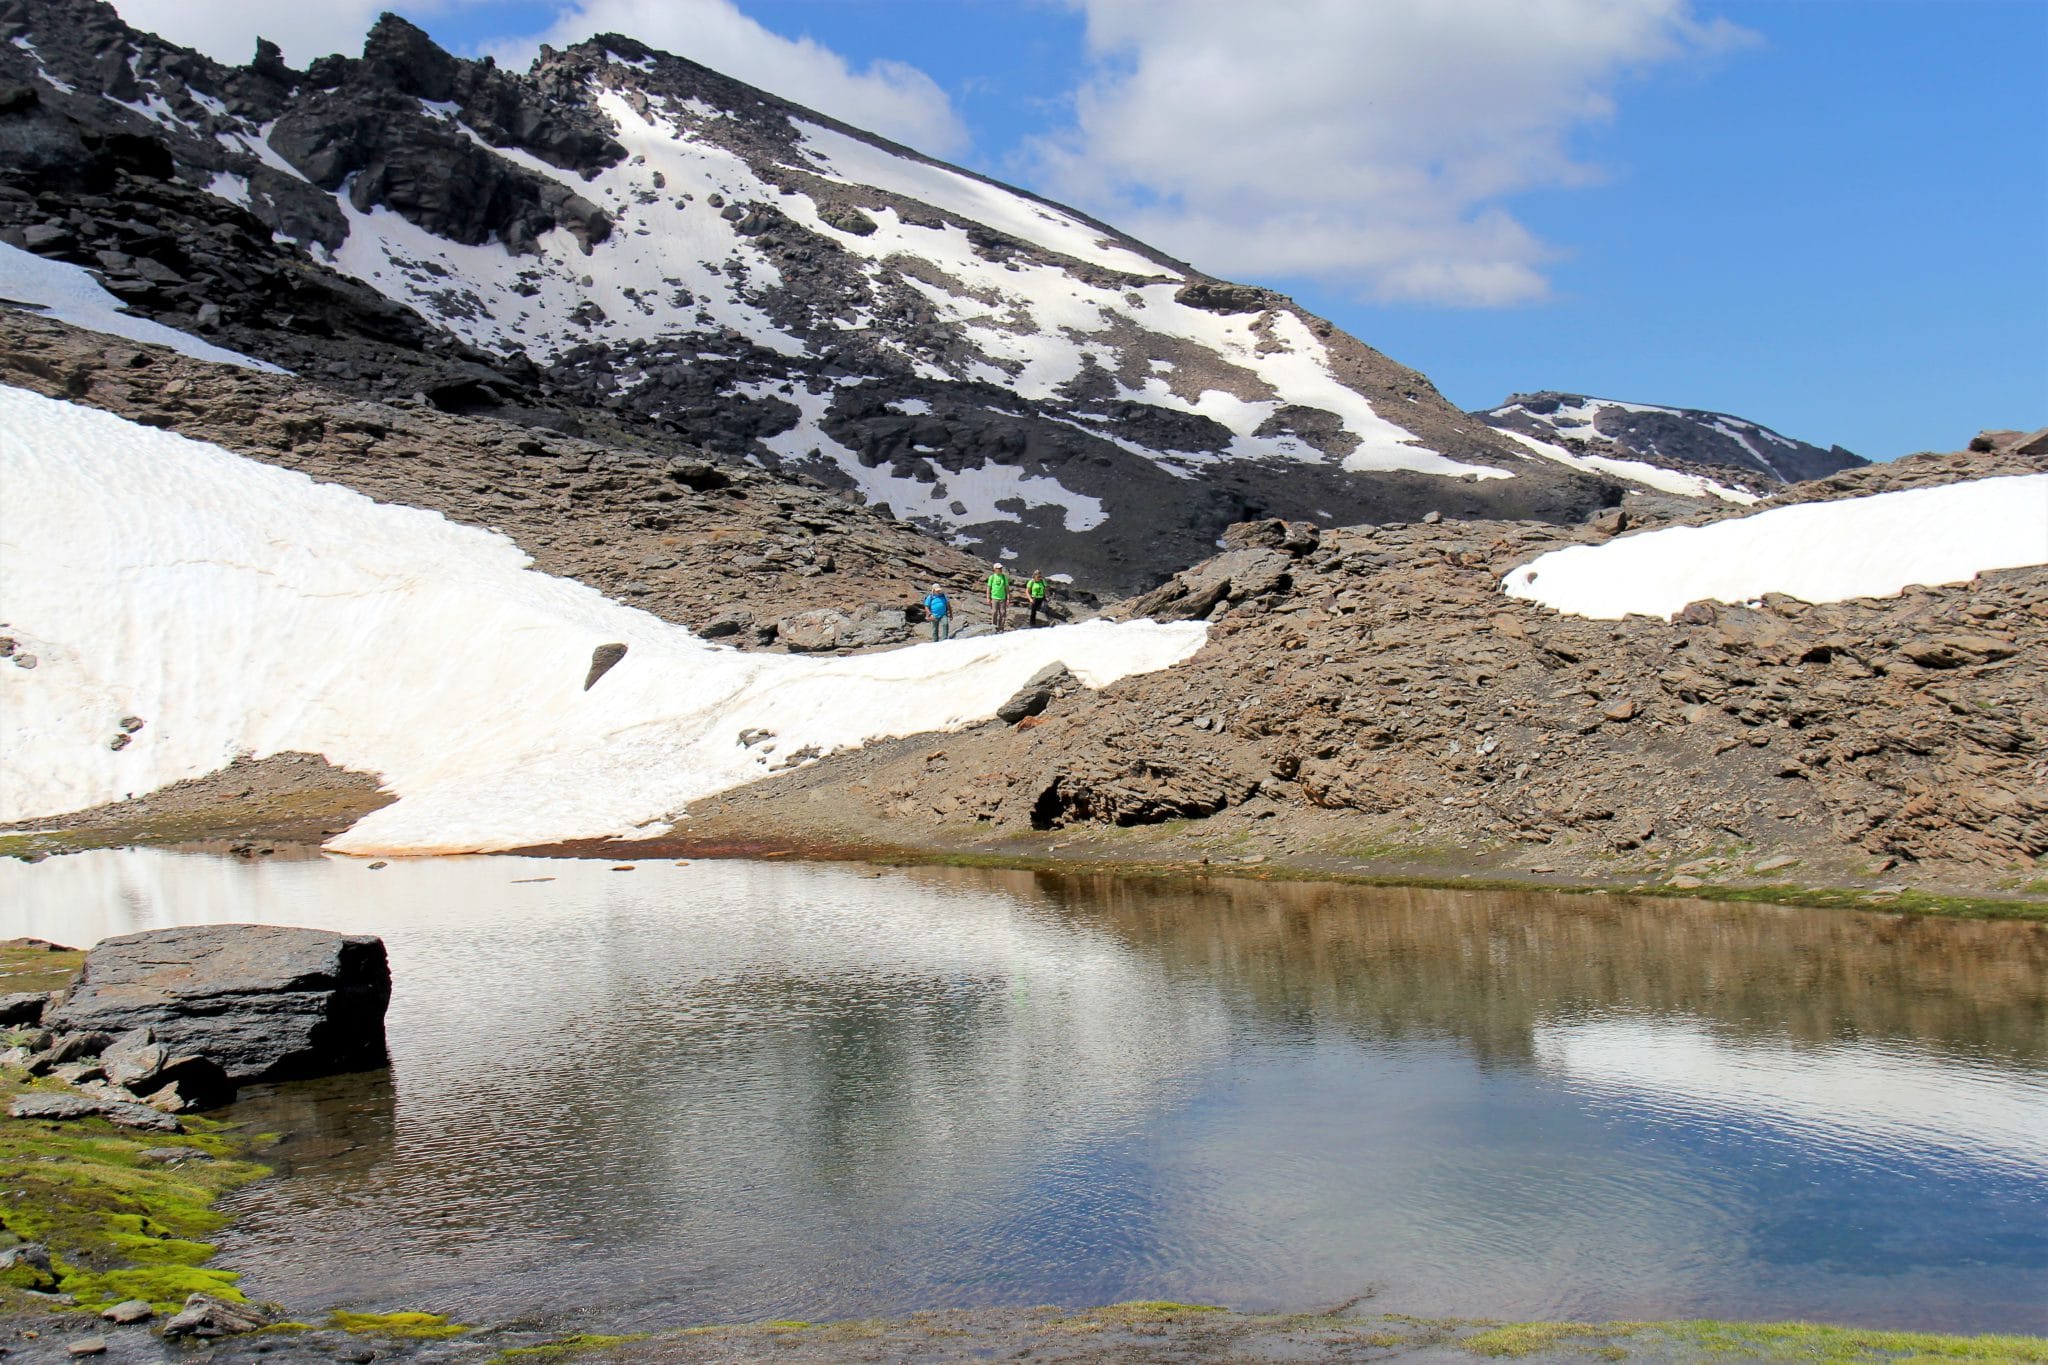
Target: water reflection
x=727, y=1090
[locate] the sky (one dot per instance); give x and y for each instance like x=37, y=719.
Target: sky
x=1829, y=216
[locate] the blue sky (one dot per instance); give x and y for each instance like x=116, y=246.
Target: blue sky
x=1830, y=216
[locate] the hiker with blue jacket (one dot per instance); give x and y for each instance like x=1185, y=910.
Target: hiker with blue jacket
x=940, y=608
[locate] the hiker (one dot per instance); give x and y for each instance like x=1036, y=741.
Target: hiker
x=999, y=595
x=1034, y=596
x=940, y=608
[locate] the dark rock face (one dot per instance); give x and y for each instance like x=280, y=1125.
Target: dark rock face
x=1688, y=439
x=263, y=1003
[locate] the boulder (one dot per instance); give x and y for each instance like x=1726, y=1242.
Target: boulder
x=1037, y=693
x=18, y=1008
x=260, y=1001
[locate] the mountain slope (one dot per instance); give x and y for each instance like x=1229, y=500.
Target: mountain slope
x=623, y=242
x=1687, y=439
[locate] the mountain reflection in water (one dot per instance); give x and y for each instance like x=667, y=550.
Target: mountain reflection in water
x=742, y=1090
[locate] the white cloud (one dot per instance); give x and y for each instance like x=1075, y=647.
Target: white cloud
x=1364, y=142
x=894, y=99
x=226, y=30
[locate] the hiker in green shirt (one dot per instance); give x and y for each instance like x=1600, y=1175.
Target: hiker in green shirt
x=999, y=595
x=1034, y=596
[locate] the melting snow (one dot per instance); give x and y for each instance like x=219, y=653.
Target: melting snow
x=243, y=609
x=1816, y=551
x=70, y=294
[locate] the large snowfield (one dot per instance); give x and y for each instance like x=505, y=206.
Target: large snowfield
x=1815, y=551
x=236, y=608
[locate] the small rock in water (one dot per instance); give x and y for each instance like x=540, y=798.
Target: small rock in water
x=624, y=867
x=379, y=865
x=88, y=1346
x=206, y=1316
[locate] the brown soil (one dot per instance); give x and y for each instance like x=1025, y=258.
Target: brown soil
x=252, y=807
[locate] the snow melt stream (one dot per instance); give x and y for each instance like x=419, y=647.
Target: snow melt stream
x=1815, y=551
x=237, y=608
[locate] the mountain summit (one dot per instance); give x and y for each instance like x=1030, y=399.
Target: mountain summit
x=625, y=243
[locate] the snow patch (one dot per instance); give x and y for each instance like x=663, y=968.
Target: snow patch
x=70, y=294
x=1817, y=551
x=243, y=609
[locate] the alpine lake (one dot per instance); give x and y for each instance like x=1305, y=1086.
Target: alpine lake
x=731, y=1091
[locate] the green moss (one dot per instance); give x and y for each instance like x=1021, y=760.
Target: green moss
x=1526, y=1338
x=1806, y=1341
x=566, y=1347
x=119, y=1225
x=38, y=969
x=1165, y=1306
x=786, y=1325
x=164, y=1286
x=1716, y=1340
x=403, y=1326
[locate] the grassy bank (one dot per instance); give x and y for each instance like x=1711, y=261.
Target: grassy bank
x=123, y=1215
x=1424, y=867
x=1154, y=1331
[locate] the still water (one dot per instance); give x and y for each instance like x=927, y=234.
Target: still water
x=731, y=1091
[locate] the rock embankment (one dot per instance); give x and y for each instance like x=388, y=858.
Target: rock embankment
x=1371, y=688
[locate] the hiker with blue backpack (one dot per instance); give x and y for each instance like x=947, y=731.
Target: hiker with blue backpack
x=940, y=608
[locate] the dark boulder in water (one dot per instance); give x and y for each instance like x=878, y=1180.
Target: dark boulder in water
x=261, y=1001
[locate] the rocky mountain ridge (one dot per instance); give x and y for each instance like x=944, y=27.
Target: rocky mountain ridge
x=623, y=244
x=1690, y=440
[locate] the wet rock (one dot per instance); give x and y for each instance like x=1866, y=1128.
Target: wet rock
x=87, y=1346
x=260, y=1001
x=205, y=1316
x=66, y=1108
x=129, y=1311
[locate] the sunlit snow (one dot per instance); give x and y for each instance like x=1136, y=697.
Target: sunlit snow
x=1814, y=551
x=238, y=608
